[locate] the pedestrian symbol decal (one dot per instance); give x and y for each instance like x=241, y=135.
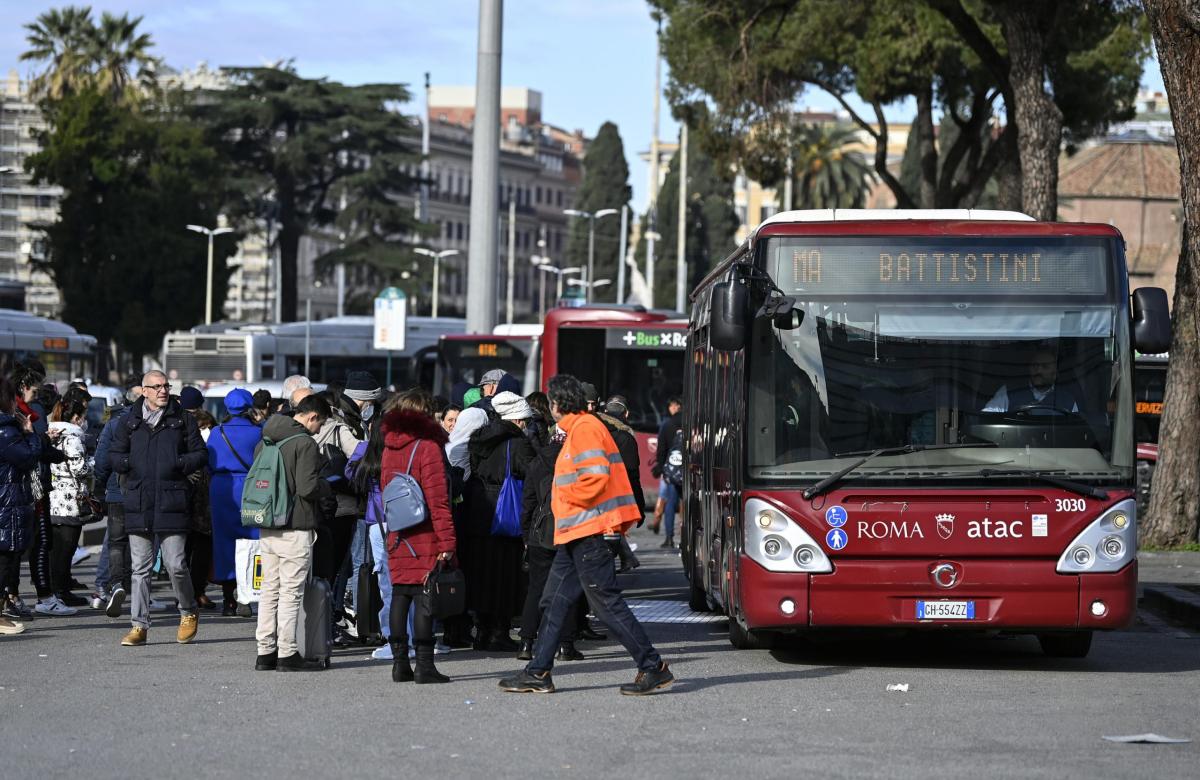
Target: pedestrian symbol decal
x=836, y=516
x=836, y=539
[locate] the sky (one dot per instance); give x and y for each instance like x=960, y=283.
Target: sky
x=592, y=61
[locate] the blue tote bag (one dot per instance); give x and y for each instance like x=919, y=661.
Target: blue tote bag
x=507, y=520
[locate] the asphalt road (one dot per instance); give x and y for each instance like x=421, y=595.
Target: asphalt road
x=73, y=703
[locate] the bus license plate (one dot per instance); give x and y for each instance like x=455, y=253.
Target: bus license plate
x=945, y=610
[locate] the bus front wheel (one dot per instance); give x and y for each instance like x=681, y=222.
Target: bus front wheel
x=745, y=639
x=1073, y=644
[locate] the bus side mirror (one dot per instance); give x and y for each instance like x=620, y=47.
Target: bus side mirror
x=782, y=311
x=1151, y=321
x=730, y=302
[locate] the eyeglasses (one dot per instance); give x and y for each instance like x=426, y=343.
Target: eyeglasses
x=157, y=388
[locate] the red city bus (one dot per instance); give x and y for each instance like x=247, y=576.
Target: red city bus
x=919, y=420
x=625, y=350
x=620, y=349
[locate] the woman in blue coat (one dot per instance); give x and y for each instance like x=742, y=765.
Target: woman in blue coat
x=230, y=453
x=20, y=452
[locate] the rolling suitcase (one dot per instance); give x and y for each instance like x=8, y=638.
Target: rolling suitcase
x=367, y=599
x=314, y=629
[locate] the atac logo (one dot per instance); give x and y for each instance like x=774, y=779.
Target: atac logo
x=262, y=484
x=945, y=526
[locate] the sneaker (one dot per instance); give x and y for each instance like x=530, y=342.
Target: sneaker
x=81, y=554
x=135, y=638
x=53, y=606
x=243, y=610
x=383, y=653
x=97, y=600
x=71, y=600
x=528, y=682
x=297, y=663
x=115, y=600
x=17, y=604
x=412, y=652
x=11, y=611
x=266, y=663
x=187, y=628
x=11, y=627
x=649, y=682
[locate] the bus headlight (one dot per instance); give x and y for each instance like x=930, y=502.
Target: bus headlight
x=1108, y=544
x=778, y=543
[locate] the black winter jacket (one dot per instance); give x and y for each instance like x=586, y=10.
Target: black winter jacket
x=489, y=448
x=154, y=464
x=20, y=453
x=666, y=437
x=630, y=457
x=537, y=519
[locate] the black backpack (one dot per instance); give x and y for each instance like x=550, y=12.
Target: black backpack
x=672, y=470
x=541, y=527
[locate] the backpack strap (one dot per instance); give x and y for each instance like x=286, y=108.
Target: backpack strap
x=411, y=456
x=229, y=444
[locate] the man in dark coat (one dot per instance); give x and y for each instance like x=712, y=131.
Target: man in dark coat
x=156, y=445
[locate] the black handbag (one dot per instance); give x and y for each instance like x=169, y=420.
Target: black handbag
x=445, y=592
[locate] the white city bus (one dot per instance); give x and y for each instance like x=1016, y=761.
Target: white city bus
x=209, y=355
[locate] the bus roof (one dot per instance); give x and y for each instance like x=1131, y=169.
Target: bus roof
x=618, y=315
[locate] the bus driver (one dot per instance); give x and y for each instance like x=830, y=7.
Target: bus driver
x=1041, y=391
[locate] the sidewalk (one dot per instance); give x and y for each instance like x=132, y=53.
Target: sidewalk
x=1170, y=582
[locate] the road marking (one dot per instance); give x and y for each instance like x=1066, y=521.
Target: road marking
x=654, y=611
x=1161, y=626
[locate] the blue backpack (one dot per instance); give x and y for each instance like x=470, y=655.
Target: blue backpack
x=403, y=500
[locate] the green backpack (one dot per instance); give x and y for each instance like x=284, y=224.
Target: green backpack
x=266, y=501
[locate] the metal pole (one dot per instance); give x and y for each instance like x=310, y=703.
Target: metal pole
x=512, y=261
x=423, y=204
x=541, y=295
x=485, y=172
x=437, y=264
x=653, y=212
x=307, y=332
x=341, y=286
x=621, y=254
x=388, y=380
x=560, y=286
x=681, y=239
x=591, y=269
x=278, y=283
x=208, y=289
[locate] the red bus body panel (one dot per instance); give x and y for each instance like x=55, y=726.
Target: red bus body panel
x=896, y=538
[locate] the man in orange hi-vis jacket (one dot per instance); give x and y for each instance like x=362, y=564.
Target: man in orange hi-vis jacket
x=591, y=497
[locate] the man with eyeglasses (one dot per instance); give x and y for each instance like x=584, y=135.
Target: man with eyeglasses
x=155, y=446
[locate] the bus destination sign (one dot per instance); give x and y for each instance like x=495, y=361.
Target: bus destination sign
x=904, y=267
x=638, y=338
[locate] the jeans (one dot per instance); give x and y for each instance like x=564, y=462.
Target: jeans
x=102, y=567
x=540, y=560
x=669, y=509
x=586, y=566
x=385, y=580
x=174, y=551
x=357, y=552
x=286, y=560
x=119, y=571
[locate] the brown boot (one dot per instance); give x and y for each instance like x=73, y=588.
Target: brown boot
x=660, y=506
x=135, y=638
x=187, y=628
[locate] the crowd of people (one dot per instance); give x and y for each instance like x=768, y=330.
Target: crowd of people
x=529, y=497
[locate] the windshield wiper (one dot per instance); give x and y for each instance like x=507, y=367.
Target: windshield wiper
x=1050, y=479
x=904, y=449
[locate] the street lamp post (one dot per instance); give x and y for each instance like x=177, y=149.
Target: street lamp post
x=208, y=295
x=591, y=218
x=437, y=259
x=588, y=284
x=560, y=273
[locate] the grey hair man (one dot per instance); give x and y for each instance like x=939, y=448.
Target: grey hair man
x=156, y=445
x=292, y=384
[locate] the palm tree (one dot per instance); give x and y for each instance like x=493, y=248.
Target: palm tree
x=116, y=51
x=63, y=38
x=828, y=174
x=111, y=57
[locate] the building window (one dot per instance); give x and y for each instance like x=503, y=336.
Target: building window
x=537, y=195
x=459, y=230
x=559, y=198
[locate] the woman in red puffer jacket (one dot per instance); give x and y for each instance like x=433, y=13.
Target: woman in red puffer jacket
x=412, y=435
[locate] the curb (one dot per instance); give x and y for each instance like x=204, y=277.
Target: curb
x=1180, y=604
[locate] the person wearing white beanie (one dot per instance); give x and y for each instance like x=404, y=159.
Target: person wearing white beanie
x=510, y=406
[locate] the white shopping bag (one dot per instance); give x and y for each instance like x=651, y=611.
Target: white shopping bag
x=248, y=565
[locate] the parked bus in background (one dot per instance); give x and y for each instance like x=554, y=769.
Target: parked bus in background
x=1149, y=388
x=220, y=353
x=619, y=348
x=66, y=353
x=922, y=420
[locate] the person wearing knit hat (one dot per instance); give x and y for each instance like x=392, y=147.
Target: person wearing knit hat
x=191, y=398
x=359, y=399
x=510, y=406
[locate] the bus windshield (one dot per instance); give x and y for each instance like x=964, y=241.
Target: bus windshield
x=464, y=361
x=1016, y=345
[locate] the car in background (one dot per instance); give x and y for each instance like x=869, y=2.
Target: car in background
x=214, y=395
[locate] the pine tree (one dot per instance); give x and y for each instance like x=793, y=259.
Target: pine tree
x=605, y=186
